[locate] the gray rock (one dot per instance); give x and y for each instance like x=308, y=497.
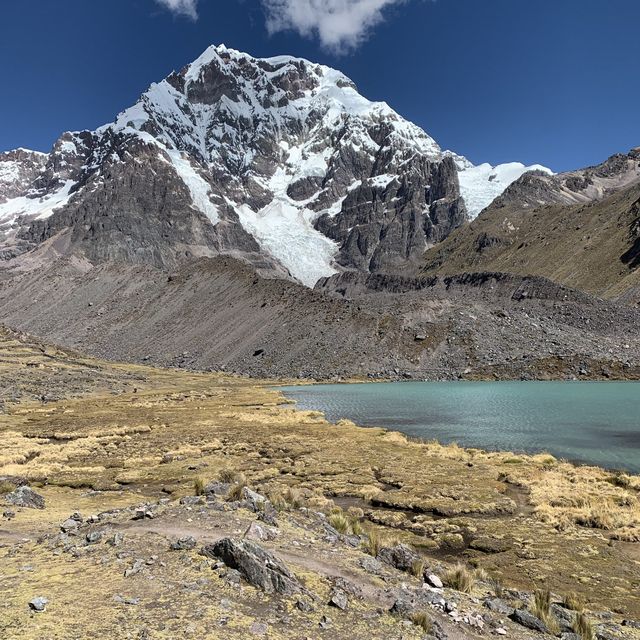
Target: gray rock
x=184, y=544
x=116, y=539
x=260, y=532
x=325, y=622
x=38, y=604
x=400, y=557
x=94, y=536
x=565, y=617
x=304, y=605
x=527, y=619
x=217, y=489
x=410, y=601
x=72, y=523
x=339, y=599
x=498, y=605
x=255, y=500
x=370, y=564
x=433, y=580
x=25, y=497
x=258, y=628
x=136, y=568
x=259, y=567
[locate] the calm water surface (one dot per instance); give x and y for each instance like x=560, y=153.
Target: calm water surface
x=591, y=422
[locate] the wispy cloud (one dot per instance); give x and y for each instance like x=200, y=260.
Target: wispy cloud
x=188, y=8
x=339, y=25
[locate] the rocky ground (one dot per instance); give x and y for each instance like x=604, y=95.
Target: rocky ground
x=203, y=505
x=218, y=314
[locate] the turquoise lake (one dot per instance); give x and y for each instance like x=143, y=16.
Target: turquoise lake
x=587, y=422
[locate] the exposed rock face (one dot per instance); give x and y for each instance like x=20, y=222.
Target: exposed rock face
x=573, y=187
x=278, y=161
x=257, y=565
x=382, y=227
x=25, y=497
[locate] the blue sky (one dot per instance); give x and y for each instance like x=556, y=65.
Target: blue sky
x=555, y=82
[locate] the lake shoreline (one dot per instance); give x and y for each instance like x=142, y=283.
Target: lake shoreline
x=533, y=430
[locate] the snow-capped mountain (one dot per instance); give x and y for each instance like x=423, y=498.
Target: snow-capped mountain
x=279, y=161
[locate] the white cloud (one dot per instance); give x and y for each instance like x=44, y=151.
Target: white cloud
x=340, y=25
x=187, y=8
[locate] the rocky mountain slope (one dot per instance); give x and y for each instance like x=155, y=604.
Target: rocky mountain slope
x=580, y=228
x=278, y=161
x=218, y=314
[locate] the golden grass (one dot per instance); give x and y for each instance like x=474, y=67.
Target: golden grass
x=417, y=568
x=373, y=543
x=573, y=601
x=340, y=523
x=198, y=486
x=423, y=620
x=583, y=627
x=460, y=578
x=542, y=609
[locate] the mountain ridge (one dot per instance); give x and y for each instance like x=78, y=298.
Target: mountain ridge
x=279, y=161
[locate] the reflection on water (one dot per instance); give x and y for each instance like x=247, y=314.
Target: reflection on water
x=593, y=422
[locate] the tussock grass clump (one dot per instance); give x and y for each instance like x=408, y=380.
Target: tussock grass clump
x=460, y=578
x=621, y=480
x=497, y=588
x=573, y=601
x=356, y=526
x=228, y=475
x=542, y=609
x=417, y=568
x=6, y=487
x=542, y=603
x=373, y=544
x=198, y=486
x=339, y=522
x=423, y=620
x=293, y=497
x=277, y=500
x=235, y=492
x=583, y=627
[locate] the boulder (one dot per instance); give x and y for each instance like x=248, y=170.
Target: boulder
x=72, y=523
x=38, y=604
x=255, y=501
x=400, y=556
x=260, y=532
x=500, y=606
x=339, y=599
x=527, y=619
x=185, y=543
x=217, y=489
x=433, y=580
x=24, y=496
x=258, y=567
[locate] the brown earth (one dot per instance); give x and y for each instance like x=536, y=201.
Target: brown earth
x=524, y=521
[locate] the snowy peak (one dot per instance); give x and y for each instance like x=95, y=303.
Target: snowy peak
x=277, y=160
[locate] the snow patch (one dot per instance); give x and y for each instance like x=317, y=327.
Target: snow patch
x=38, y=208
x=198, y=187
x=481, y=185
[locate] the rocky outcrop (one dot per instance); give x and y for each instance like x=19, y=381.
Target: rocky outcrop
x=538, y=188
x=24, y=496
x=258, y=567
